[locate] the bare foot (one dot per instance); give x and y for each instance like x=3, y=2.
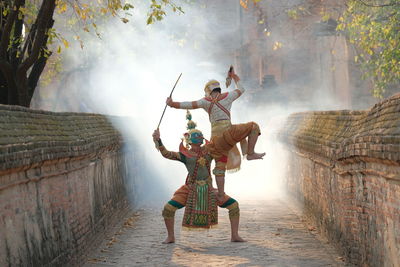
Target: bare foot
x=255, y=156
x=169, y=240
x=237, y=239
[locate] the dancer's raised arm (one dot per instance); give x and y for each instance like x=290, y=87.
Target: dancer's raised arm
x=239, y=91
x=164, y=152
x=186, y=104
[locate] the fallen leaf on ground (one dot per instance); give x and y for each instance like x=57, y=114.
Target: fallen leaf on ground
x=112, y=241
x=130, y=222
x=97, y=260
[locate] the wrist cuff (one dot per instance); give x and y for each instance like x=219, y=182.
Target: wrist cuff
x=159, y=142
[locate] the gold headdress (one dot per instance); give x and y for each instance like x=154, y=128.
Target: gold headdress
x=191, y=126
x=211, y=85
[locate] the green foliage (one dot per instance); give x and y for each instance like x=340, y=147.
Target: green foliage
x=374, y=29
x=53, y=68
x=83, y=17
x=157, y=10
x=31, y=32
x=292, y=13
x=296, y=12
x=87, y=15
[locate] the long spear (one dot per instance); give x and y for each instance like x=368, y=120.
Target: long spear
x=170, y=95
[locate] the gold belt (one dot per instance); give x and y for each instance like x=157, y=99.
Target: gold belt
x=201, y=182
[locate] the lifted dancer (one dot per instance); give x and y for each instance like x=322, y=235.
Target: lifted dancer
x=218, y=106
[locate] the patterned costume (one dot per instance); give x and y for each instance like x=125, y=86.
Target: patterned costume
x=197, y=194
x=218, y=109
x=223, y=147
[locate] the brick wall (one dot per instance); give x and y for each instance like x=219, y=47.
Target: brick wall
x=344, y=166
x=61, y=185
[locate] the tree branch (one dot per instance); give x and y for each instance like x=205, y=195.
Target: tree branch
x=38, y=67
x=5, y=37
x=16, y=40
x=35, y=74
x=29, y=39
x=45, y=15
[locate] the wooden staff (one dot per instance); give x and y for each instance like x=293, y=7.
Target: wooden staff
x=170, y=95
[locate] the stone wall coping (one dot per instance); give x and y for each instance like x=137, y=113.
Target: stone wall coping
x=344, y=134
x=29, y=136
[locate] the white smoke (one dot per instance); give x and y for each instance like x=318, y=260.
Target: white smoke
x=131, y=70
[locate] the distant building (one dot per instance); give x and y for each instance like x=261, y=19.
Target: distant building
x=290, y=47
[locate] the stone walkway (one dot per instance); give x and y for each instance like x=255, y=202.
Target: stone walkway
x=275, y=234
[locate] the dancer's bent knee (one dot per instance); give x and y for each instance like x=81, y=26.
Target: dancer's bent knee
x=233, y=207
x=255, y=129
x=170, y=209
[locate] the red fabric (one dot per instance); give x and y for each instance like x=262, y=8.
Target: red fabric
x=184, y=150
x=223, y=159
x=209, y=108
x=220, y=97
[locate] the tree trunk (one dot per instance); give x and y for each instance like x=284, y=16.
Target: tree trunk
x=3, y=90
x=16, y=88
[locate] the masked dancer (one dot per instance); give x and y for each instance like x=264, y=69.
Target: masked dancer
x=197, y=195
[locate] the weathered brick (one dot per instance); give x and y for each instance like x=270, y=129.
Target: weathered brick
x=46, y=163
x=361, y=199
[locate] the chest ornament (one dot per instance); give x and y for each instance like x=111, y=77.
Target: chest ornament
x=201, y=161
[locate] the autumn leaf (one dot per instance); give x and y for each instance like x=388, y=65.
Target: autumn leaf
x=244, y=3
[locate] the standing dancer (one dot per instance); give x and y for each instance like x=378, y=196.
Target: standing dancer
x=218, y=107
x=197, y=194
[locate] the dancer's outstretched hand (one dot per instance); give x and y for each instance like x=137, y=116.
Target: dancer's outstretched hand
x=235, y=77
x=156, y=135
x=169, y=101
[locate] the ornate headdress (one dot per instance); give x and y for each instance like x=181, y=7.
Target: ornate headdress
x=210, y=86
x=191, y=126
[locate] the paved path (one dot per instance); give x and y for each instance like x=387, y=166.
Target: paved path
x=275, y=236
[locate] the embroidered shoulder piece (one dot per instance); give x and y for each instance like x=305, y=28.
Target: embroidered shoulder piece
x=220, y=97
x=185, y=151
